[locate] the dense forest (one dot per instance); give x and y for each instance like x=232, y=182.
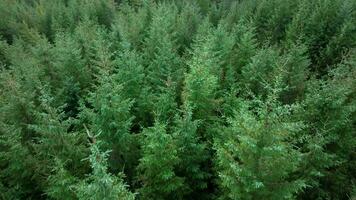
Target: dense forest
x=179, y=99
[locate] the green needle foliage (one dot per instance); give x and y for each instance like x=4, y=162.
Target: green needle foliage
x=100, y=184
x=188, y=99
x=159, y=158
x=258, y=159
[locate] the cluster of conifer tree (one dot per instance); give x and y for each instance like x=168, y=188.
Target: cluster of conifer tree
x=180, y=99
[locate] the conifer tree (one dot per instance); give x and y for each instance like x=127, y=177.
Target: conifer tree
x=131, y=24
x=296, y=67
x=109, y=104
x=3, y=59
x=164, y=66
x=73, y=75
x=186, y=25
x=200, y=82
x=61, y=184
x=272, y=18
x=108, y=112
x=255, y=156
x=100, y=184
x=129, y=72
x=245, y=47
x=329, y=138
x=192, y=152
x=313, y=25
x=54, y=143
x=222, y=42
x=15, y=170
x=157, y=165
x=260, y=71
x=20, y=85
x=163, y=63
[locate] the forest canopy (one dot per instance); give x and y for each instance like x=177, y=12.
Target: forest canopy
x=178, y=99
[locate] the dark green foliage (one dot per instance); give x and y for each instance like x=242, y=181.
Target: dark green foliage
x=255, y=155
x=296, y=68
x=330, y=137
x=201, y=81
x=192, y=151
x=178, y=99
x=61, y=183
x=159, y=158
x=327, y=21
x=260, y=71
x=109, y=113
x=100, y=184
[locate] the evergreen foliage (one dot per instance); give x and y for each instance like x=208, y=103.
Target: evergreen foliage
x=256, y=154
x=159, y=158
x=203, y=99
x=100, y=184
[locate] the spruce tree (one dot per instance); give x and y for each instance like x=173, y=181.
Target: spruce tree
x=157, y=165
x=201, y=84
x=61, y=184
x=129, y=72
x=163, y=63
x=329, y=139
x=20, y=86
x=260, y=71
x=296, y=69
x=108, y=112
x=255, y=155
x=100, y=184
x=192, y=153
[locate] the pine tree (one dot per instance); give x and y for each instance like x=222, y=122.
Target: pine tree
x=157, y=165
